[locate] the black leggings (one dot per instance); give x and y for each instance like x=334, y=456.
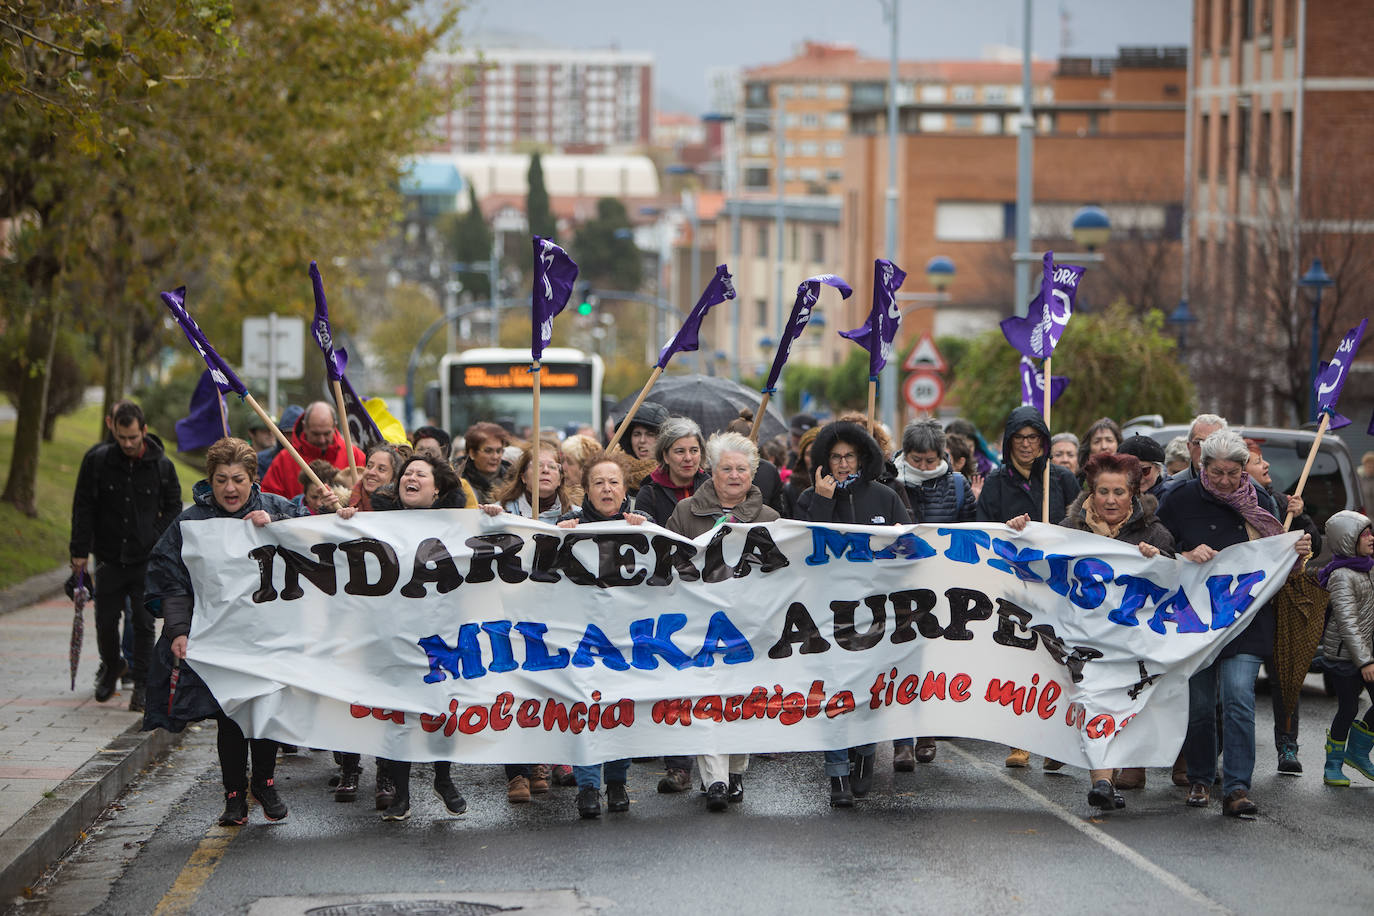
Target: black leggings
x=234, y=751
x=400, y=773
x=1348, y=703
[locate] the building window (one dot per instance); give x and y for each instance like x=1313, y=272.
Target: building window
x=809, y=148
x=756, y=178
x=761, y=313
x=963, y=122
x=992, y=124
x=1225, y=27
x=970, y=222
x=1264, y=145
x=835, y=120
x=1243, y=140
x=835, y=92
x=811, y=119
x=995, y=94
x=756, y=95
x=1286, y=146
x=810, y=91
x=1247, y=20
x=964, y=94
x=818, y=247
x=760, y=146
x=868, y=94
x=834, y=149
x=1203, y=145
x=792, y=243
x=1224, y=149
x=810, y=174
x=792, y=119
x=785, y=91
x=761, y=240
x=834, y=175
x=1204, y=19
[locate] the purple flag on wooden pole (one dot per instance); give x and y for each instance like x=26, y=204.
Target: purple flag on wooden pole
x=1331, y=379
x=878, y=332
x=1033, y=384
x=224, y=377
x=807, y=294
x=554, y=274
x=1048, y=313
x=320, y=327
x=204, y=425
x=685, y=340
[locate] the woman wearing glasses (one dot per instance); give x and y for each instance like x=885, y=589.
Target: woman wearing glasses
x=1220, y=507
x=847, y=462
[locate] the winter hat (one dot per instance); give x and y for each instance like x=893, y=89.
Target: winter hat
x=1142, y=447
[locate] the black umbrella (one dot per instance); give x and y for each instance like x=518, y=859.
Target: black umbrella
x=711, y=400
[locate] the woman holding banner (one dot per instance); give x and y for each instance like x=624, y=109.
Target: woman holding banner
x=848, y=463
x=604, y=483
x=1113, y=507
x=1205, y=514
x=382, y=468
x=729, y=496
x=176, y=694
x=425, y=482
x=514, y=495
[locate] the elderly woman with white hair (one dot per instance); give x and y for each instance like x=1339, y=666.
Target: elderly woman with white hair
x=728, y=496
x=1219, y=507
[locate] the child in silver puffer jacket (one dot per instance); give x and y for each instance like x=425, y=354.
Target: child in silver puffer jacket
x=1348, y=643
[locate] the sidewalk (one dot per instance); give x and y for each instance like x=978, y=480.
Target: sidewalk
x=63, y=756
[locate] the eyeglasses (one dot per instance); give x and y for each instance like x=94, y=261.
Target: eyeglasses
x=1025, y=437
x=844, y=457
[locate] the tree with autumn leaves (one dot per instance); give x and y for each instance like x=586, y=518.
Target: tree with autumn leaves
x=200, y=142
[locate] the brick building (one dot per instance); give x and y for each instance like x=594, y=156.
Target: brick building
x=1282, y=92
x=1111, y=134
x=559, y=100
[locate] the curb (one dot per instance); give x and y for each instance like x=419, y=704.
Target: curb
x=33, y=589
x=51, y=827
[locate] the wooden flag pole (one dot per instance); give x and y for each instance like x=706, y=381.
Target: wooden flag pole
x=535, y=440
x=758, y=417
x=1307, y=468
x=343, y=427
x=1045, y=498
x=872, y=404
x=285, y=443
x=223, y=413
x=643, y=393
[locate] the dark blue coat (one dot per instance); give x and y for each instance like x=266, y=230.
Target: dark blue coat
x=168, y=594
x=1194, y=516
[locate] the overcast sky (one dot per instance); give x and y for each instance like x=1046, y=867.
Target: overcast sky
x=687, y=38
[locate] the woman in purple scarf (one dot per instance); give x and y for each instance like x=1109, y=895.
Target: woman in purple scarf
x=1218, y=508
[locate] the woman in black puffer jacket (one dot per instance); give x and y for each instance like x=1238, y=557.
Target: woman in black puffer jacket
x=229, y=490
x=425, y=482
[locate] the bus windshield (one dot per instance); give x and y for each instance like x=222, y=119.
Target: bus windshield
x=502, y=391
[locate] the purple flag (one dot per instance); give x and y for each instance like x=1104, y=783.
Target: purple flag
x=1048, y=313
x=1331, y=379
x=807, y=294
x=320, y=327
x=554, y=273
x=204, y=425
x=1033, y=384
x=361, y=426
x=880, y=329
x=223, y=376
x=718, y=290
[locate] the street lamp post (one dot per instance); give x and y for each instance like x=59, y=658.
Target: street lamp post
x=887, y=388
x=1180, y=318
x=1316, y=279
x=1091, y=229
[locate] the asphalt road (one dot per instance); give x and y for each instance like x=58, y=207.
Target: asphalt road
x=960, y=835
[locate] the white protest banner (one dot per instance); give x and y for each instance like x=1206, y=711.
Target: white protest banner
x=451, y=635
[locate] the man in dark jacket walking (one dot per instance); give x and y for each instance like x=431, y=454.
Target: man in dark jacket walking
x=848, y=462
x=127, y=493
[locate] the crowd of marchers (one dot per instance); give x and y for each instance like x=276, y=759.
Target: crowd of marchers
x=1190, y=498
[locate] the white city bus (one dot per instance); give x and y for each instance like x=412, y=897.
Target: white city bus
x=496, y=384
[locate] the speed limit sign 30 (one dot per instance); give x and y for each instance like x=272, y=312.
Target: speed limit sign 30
x=923, y=390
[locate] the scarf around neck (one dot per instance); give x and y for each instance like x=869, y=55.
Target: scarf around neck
x=1245, y=502
x=914, y=477
x=1340, y=561
x=1098, y=526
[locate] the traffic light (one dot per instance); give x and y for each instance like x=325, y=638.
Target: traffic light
x=586, y=300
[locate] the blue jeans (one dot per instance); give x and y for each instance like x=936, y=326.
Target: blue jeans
x=1235, y=678
x=837, y=762
x=590, y=777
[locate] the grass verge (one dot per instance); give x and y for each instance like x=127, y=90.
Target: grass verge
x=29, y=546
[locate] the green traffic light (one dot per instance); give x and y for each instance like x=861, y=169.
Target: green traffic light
x=584, y=309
